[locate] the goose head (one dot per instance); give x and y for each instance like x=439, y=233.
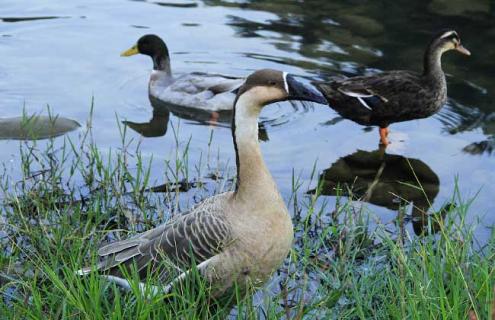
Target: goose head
x=447, y=40
x=153, y=46
x=267, y=86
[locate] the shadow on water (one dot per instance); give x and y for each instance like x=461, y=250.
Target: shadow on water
x=183, y=4
x=22, y=19
x=386, y=180
x=36, y=127
x=158, y=124
x=361, y=37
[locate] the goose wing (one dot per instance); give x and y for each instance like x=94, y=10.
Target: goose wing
x=191, y=238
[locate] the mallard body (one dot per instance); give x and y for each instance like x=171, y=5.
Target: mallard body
x=210, y=92
x=394, y=96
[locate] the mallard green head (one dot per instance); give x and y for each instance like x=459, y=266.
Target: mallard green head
x=153, y=46
x=448, y=40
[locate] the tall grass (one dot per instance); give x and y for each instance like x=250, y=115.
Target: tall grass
x=73, y=196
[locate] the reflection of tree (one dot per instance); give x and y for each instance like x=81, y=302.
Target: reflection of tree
x=386, y=180
x=340, y=37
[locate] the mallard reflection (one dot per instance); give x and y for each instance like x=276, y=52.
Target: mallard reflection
x=158, y=124
x=155, y=127
x=386, y=180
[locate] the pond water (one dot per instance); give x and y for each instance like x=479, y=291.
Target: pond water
x=63, y=53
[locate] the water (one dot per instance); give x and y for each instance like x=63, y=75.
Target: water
x=63, y=53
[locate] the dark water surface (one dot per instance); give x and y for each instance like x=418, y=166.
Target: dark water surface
x=63, y=53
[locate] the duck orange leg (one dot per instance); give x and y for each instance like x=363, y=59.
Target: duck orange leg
x=383, y=136
x=214, y=117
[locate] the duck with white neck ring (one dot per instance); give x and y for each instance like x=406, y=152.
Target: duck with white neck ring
x=209, y=92
x=235, y=238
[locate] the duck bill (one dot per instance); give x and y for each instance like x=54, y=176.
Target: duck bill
x=463, y=50
x=300, y=91
x=130, y=52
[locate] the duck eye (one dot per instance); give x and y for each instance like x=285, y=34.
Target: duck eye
x=271, y=83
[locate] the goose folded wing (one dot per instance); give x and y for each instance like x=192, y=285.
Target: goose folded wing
x=191, y=238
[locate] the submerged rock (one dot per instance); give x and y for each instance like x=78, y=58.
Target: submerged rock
x=35, y=127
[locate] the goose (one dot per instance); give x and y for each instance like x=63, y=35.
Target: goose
x=395, y=96
x=209, y=92
x=234, y=238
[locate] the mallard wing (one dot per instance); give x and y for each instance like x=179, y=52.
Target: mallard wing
x=193, y=237
x=207, y=91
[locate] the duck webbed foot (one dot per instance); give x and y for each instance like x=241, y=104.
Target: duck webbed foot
x=214, y=117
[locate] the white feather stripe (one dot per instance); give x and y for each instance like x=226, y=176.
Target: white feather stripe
x=363, y=103
x=447, y=34
x=286, y=85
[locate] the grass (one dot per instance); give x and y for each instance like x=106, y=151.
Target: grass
x=74, y=196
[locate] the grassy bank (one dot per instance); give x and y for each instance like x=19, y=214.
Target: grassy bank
x=74, y=196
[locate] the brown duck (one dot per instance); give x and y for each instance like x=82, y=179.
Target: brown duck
x=395, y=96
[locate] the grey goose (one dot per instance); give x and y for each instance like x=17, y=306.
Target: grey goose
x=238, y=237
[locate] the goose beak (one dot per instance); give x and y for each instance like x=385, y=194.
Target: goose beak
x=463, y=50
x=299, y=91
x=130, y=52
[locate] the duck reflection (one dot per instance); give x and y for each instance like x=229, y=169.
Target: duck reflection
x=156, y=127
x=158, y=124
x=386, y=180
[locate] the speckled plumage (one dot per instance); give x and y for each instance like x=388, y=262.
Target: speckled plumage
x=395, y=96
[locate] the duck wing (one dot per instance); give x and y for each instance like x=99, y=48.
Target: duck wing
x=191, y=238
x=375, y=99
x=378, y=90
x=199, y=82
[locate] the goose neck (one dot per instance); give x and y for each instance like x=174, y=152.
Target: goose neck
x=253, y=177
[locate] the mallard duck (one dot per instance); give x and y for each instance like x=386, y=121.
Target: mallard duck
x=395, y=96
x=237, y=237
x=205, y=91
